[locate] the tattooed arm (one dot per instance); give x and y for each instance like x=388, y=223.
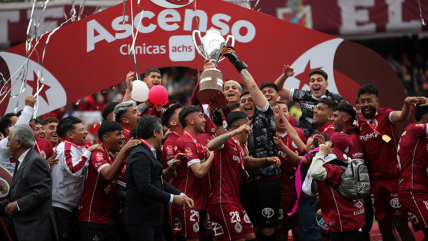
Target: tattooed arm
x=218, y=142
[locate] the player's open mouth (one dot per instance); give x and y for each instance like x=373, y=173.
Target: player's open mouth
x=156, y=83
x=54, y=135
x=231, y=95
x=317, y=88
x=268, y=99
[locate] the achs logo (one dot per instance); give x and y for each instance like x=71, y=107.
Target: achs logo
x=51, y=97
x=172, y=3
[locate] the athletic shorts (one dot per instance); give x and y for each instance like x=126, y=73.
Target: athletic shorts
x=98, y=231
x=415, y=202
x=384, y=195
x=171, y=216
x=229, y=222
x=286, y=206
x=261, y=200
x=191, y=224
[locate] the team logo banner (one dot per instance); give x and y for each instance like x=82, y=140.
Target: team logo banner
x=94, y=53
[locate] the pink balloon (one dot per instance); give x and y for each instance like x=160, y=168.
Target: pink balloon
x=158, y=95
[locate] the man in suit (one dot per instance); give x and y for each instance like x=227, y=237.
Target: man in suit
x=146, y=192
x=30, y=196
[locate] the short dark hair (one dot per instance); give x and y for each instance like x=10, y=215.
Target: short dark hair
x=357, y=101
x=368, y=89
x=318, y=71
x=147, y=73
x=19, y=113
x=107, y=127
x=315, y=141
x=278, y=103
x=186, y=111
x=235, y=116
x=234, y=106
x=133, y=133
x=270, y=85
x=67, y=125
x=348, y=109
x=5, y=123
x=420, y=112
x=49, y=120
x=331, y=104
x=37, y=122
x=168, y=113
x=108, y=108
x=146, y=124
x=247, y=92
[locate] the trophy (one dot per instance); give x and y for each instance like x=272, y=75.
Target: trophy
x=213, y=47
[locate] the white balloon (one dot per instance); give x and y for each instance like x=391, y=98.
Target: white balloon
x=140, y=91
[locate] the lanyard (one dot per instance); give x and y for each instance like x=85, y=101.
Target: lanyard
x=198, y=145
x=148, y=145
x=107, y=152
x=38, y=148
x=373, y=127
x=325, y=128
x=288, y=144
x=241, y=154
x=126, y=131
x=176, y=133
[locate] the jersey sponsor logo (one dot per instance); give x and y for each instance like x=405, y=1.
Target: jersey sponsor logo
x=235, y=158
x=268, y=212
x=358, y=212
x=419, y=125
x=169, y=150
x=238, y=228
x=357, y=154
x=358, y=204
x=413, y=218
x=100, y=157
x=188, y=151
x=395, y=203
x=368, y=136
x=177, y=224
x=282, y=154
x=426, y=204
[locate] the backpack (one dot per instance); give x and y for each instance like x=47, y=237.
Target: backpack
x=354, y=181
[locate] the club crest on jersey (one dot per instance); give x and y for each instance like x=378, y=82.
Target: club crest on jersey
x=238, y=228
x=169, y=150
x=235, y=158
x=188, y=151
x=99, y=157
x=268, y=212
x=358, y=204
x=395, y=203
x=4, y=188
x=196, y=227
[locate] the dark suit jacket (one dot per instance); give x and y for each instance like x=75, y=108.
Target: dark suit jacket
x=146, y=193
x=32, y=189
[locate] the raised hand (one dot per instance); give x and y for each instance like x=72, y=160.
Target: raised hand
x=323, y=148
x=320, y=139
x=128, y=80
x=52, y=159
x=288, y=70
x=95, y=147
x=30, y=101
x=208, y=64
x=277, y=140
x=412, y=100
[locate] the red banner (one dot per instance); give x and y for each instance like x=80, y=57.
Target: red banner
x=93, y=53
x=352, y=18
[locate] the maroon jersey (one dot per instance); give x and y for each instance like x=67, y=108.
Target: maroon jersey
x=209, y=125
x=195, y=188
x=289, y=167
x=357, y=150
x=340, y=214
x=381, y=158
x=227, y=174
x=43, y=147
x=121, y=178
x=96, y=204
x=412, y=154
x=152, y=110
x=168, y=151
x=327, y=129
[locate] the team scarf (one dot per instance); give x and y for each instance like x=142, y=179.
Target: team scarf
x=198, y=145
x=373, y=127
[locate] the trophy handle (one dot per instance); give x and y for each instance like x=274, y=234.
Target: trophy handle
x=194, y=42
x=227, y=40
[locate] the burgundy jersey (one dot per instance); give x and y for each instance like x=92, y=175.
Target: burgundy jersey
x=357, y=150
x=381, y=158
x=43, y=147
x=195, y=188
x=327, y=129
x=96, y=204
x=289, y=167
x=227, y=175
x=209, y=125
x=340, y=214
x=121, y=178
x=412, y=154
x=168, y=151
x=152, y=110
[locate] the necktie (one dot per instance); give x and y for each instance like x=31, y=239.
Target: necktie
x=16, y=167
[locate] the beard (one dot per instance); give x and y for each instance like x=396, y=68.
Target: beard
x=369, y=115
